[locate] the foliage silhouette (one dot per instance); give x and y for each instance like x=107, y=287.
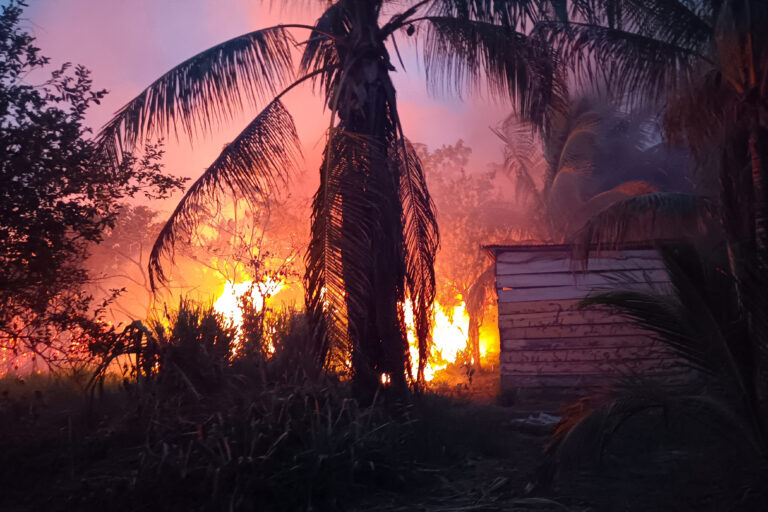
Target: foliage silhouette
x=58, y=197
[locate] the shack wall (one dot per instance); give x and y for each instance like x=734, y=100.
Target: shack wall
x=552, y=349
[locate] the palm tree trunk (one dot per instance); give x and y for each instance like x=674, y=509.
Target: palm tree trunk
x=365, y=108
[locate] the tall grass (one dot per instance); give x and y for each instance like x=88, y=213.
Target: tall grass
x=229, y=425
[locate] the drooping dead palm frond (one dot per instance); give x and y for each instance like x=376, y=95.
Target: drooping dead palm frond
x=421, y=240
x=251, y=166
x=204, y=90
x=339, y=258
x=656, y=216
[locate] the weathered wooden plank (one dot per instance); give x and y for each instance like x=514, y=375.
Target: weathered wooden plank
x=534, y=307
x=554, y=344
x=567, y=317
x=583, y=355
x=648, y=366
x=524, y=256
x=558, y=293
x=615, y=328
x=584, y=381
x=565, y=267
x=613, y=279
x=596, y=262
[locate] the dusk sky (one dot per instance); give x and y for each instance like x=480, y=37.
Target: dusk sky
x=127, y=45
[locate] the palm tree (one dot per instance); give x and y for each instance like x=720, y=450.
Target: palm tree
x=374, y=235
x=592, y=156
x=707, y=60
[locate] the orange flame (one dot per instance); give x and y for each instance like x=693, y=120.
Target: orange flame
x=450, y=336
x=450, y=326
x=228, y=305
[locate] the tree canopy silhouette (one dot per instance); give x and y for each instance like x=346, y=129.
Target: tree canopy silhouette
x=57, y=197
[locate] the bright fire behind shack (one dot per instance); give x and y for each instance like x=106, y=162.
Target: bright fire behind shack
x=450, y=325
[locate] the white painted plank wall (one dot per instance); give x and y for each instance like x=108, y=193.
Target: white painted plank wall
x=548, y=342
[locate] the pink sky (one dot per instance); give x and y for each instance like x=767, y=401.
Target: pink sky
x=128, y=44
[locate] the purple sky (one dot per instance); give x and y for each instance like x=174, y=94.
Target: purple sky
x=128, y=44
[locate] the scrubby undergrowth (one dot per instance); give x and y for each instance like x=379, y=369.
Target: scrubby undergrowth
x=197, y=425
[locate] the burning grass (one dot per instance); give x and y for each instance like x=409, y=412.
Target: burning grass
x=450, y=351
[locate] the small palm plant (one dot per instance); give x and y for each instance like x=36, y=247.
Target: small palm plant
x=374, y=235
x=706, y=323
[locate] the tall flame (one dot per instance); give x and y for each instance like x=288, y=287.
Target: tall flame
x=450, y=334
x=450, y=325
x=228, y=305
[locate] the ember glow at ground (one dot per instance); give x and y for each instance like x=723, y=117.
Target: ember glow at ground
x=450, y=326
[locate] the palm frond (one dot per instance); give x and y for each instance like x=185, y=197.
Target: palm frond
x=663, y=316
x=204, y=90
x=633, y=65
x=699, y=115
x=465, y=55
x=696, y=319
x=421, y=241
x=339, y=259
x=252, y=165
x=478, y=301
x=675, y=22
x=702, y=321
x=516, y=14
x=523, y=158
x=585, y=439
x=657, y=216
x=577, y=214
x=576, y=150
x=320, y=50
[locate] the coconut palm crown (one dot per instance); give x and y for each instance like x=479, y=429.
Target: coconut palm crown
x=374, y=234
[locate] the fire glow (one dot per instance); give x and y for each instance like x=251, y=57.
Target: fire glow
x=450, y=333
x=450, y=325
x=229, y=304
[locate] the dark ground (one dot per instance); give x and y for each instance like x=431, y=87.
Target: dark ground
x=52, y=453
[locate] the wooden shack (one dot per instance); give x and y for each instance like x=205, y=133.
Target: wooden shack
x=553, y=350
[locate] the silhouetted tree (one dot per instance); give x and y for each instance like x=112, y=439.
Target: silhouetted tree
x=374, y=234
x=591, y=157
x=56, y=196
